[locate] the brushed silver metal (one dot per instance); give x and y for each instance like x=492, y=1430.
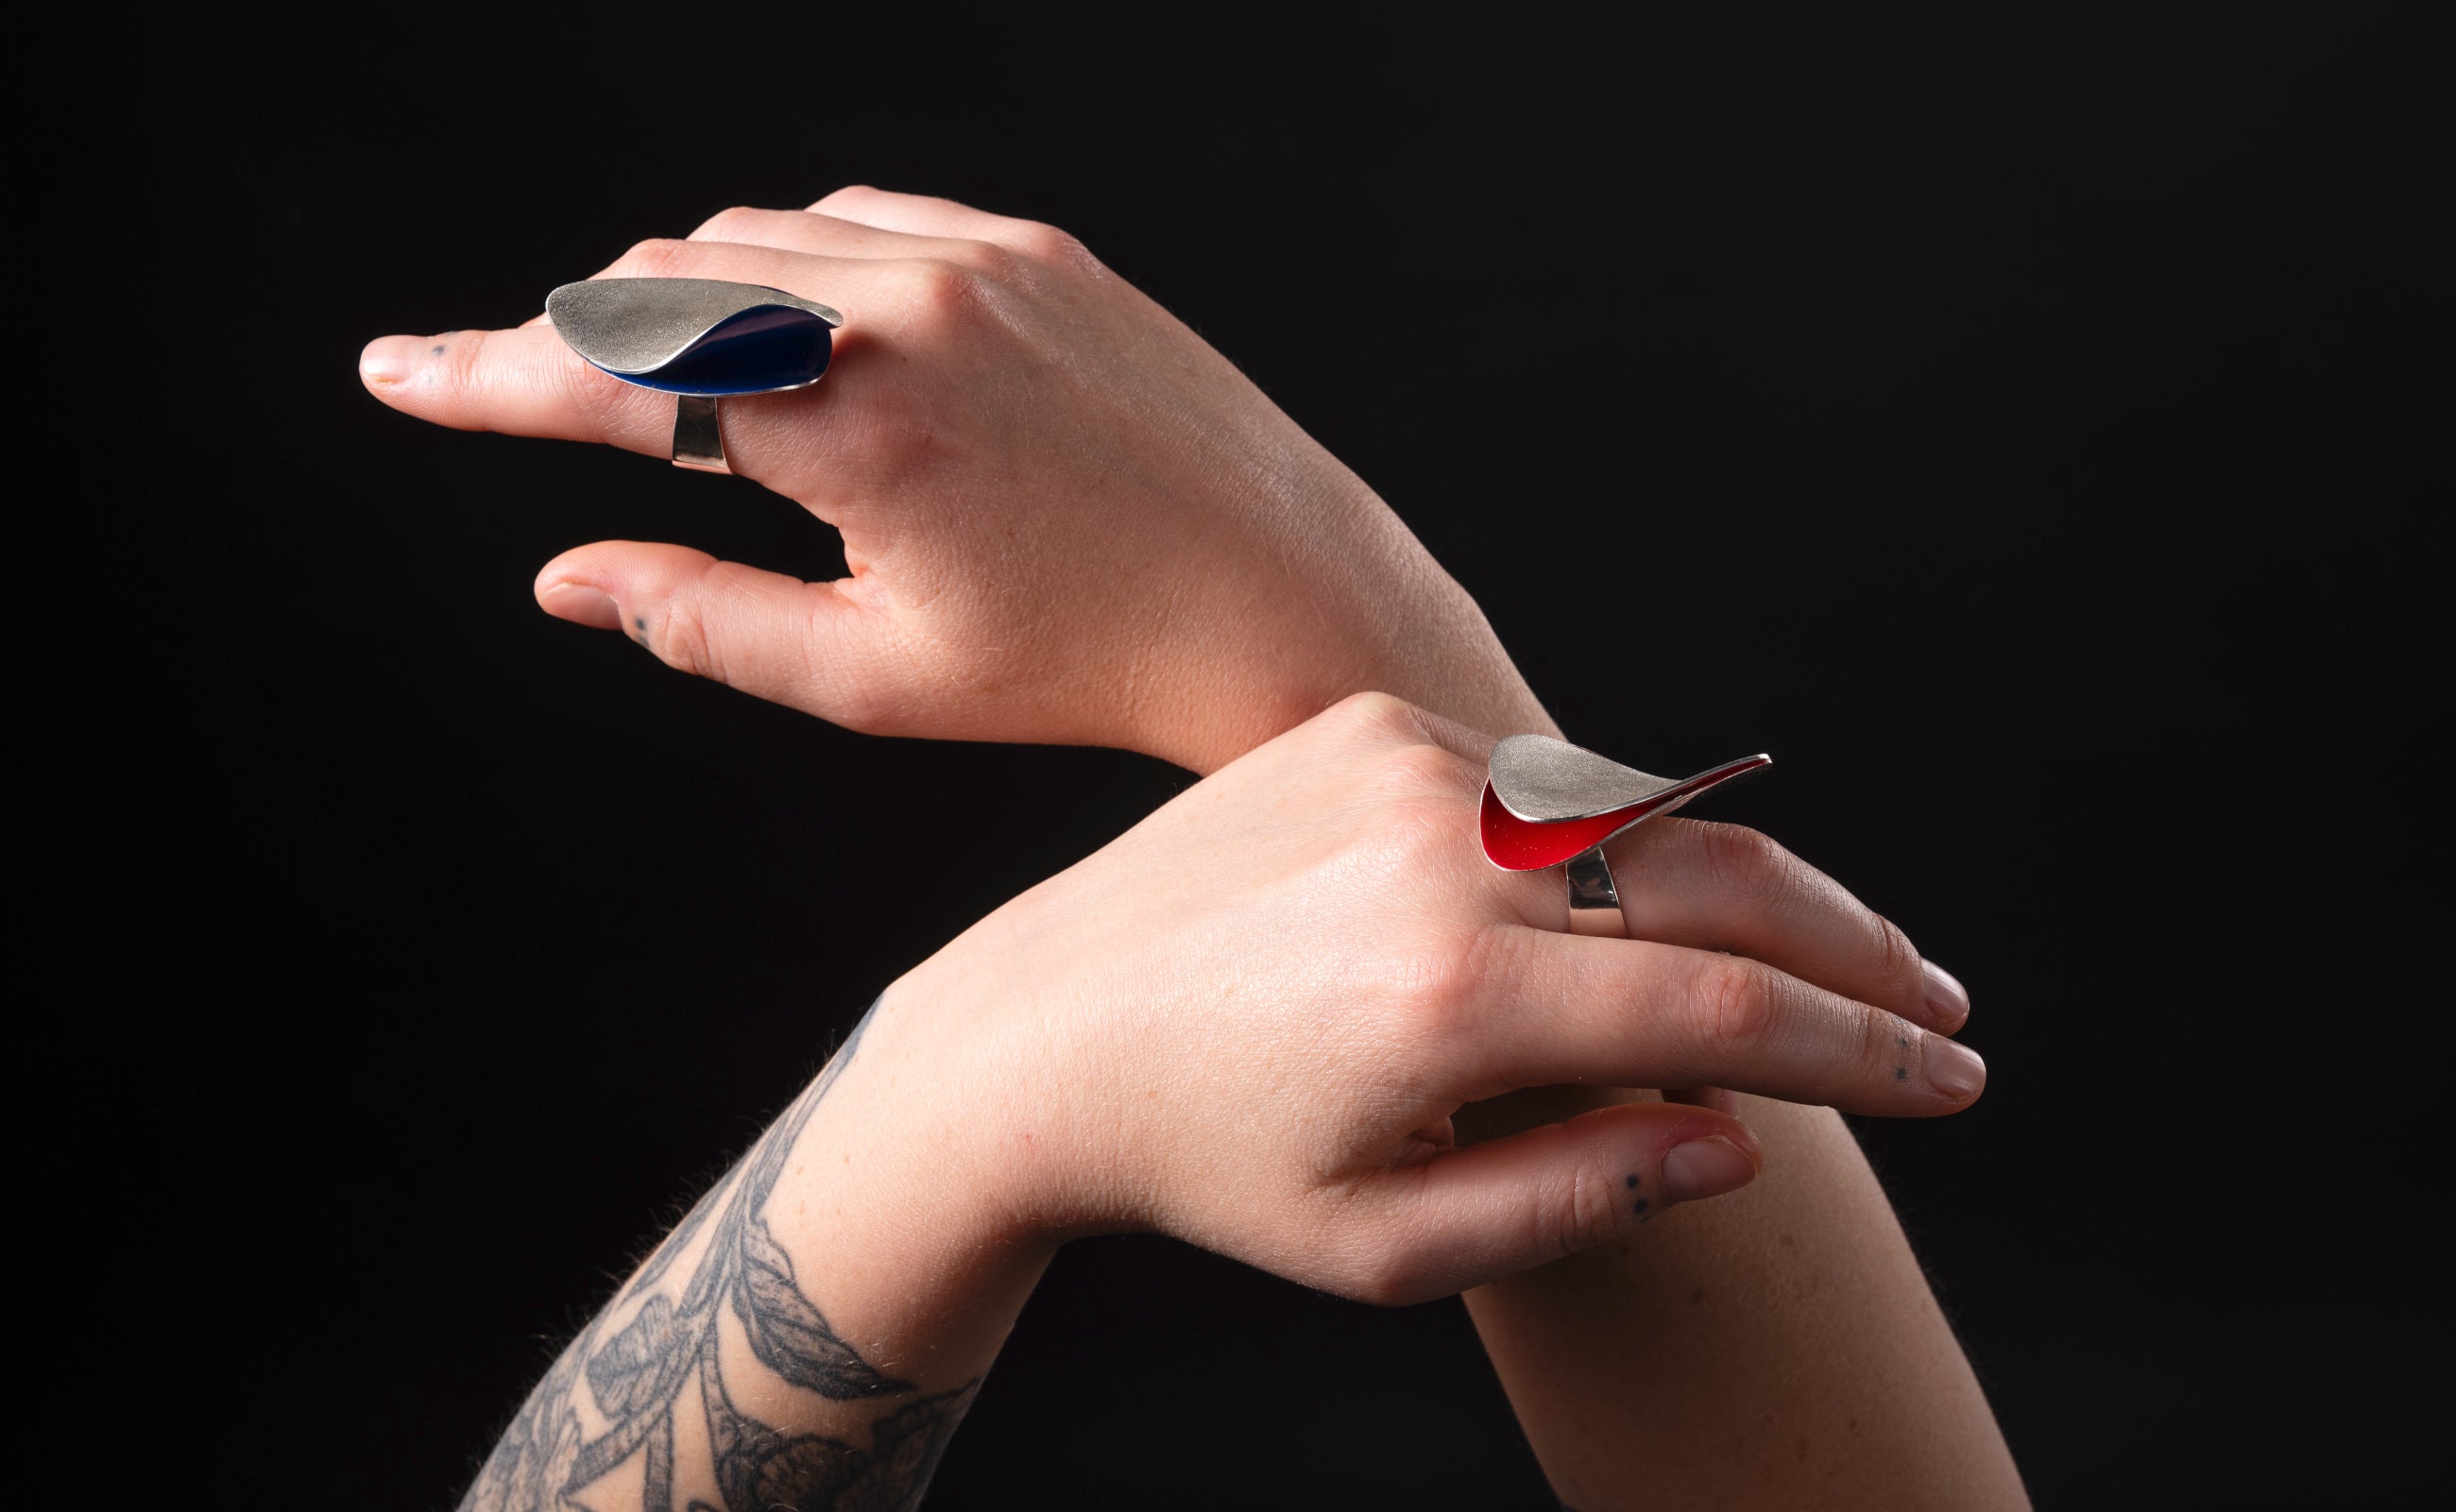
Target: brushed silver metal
x=1546, y=781
x=1594, y=898
x=638, y=325
x=1549, y=782
x=699, y=442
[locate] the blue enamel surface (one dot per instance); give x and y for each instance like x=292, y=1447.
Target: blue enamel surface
x=758, y=351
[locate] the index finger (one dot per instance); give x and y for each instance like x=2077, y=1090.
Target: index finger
x=527, y=382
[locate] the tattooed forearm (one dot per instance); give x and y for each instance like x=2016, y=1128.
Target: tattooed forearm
x=622, y=1397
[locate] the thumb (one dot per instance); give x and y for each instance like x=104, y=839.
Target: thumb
x=1508, y=1205
x=811, y=645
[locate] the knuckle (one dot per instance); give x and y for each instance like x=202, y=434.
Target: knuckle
x=941, y=295
x=1372, y=714
x=1584, y=1211
x=989, y=259
x=1419, y=770
x=683, y=643
x=1046, y=244
x=1748, y=862
x=657, y=257
x=1897, y=958
x=842, y=199
x=1435, y=981
x=1736, y=1004
x=1415, y=835
x=732, y=221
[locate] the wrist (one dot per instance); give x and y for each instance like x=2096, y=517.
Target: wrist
x=897, y=1220
x=1389, y=621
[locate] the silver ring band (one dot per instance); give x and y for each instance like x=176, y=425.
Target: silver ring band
x=699, y=442
x=1595, y=899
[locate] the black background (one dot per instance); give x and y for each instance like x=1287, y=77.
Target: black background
x=2022, y=426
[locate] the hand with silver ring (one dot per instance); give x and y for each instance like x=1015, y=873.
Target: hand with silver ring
x=1248, y=1023
x=1065, y=518
x=1266, y=1062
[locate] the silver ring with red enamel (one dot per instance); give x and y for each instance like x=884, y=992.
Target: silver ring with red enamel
x=1548, y=803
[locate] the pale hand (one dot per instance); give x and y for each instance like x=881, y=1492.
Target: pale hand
x=1065, y=518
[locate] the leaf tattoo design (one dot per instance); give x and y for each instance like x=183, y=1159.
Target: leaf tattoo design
x=638, y=1374
x=788, y=1333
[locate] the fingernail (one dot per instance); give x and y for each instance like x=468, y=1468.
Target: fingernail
x=391, y=358
x=1705, y=1167
x=1954, y=1070
x=582, y=604
x=1946, y=997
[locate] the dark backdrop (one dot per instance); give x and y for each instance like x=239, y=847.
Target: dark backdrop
x=2022, y=427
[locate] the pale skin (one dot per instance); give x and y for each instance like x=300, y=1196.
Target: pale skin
x=1067, y=520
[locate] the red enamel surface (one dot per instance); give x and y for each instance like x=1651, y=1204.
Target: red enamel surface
x=1521, y=844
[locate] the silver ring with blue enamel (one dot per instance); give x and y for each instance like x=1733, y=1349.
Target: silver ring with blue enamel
x=700, y=340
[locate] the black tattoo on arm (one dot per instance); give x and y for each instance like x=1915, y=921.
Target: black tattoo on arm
x=662, y=1362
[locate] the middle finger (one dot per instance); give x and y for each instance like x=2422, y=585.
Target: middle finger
x=1718, y=886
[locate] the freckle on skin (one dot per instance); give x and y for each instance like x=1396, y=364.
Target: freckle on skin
x=1632, y=1183
x=1901, y=1074
x=1638, y=1206
x=1697, y=1296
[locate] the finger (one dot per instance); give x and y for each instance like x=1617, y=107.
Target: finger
x=521, y=383
x=1718, y=886
x=1562, y=1007
x=828, y=235
x=528, y=383
x=815, y=647
x=1473, y=1215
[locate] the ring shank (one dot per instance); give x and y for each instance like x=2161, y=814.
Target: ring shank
x=1594, y=898
x=699, y=442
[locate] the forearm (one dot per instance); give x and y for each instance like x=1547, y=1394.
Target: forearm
x=1777, y=1347
x=808, y=1337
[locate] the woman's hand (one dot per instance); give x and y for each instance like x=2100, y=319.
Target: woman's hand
x=1067, y=520
x=1248, y=1022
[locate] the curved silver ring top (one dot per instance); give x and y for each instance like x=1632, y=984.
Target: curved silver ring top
x=1548, y=803
x=699, y=340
